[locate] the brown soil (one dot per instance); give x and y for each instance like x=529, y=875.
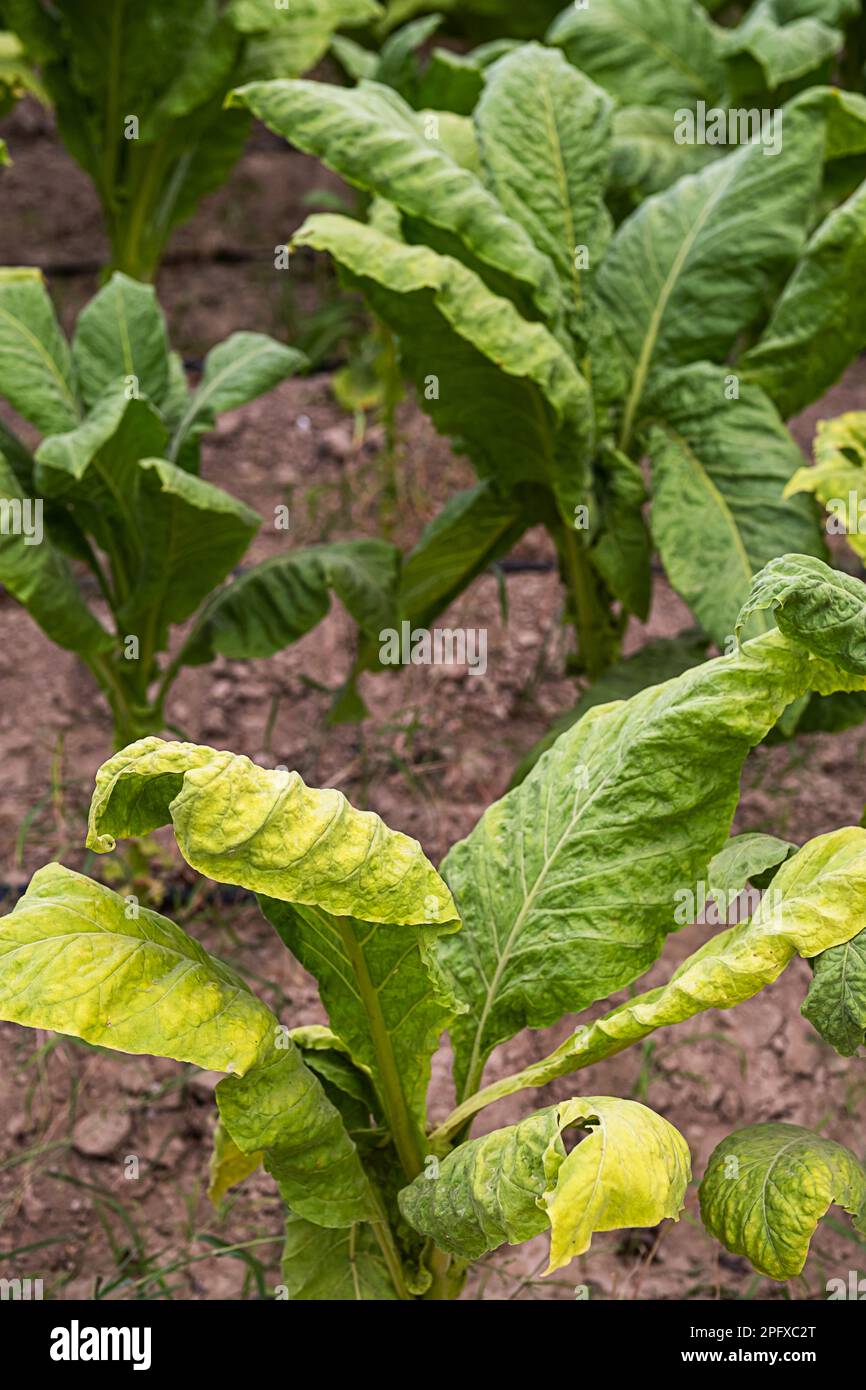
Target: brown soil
x=436, y=750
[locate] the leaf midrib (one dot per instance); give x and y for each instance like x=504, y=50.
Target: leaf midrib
x=655, y=322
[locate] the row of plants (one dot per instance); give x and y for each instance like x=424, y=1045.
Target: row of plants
x=556, y=350
x=156, y=137
x=136, y=543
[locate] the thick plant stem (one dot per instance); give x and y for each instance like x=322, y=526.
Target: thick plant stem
x=591, y=621
x=133, y=717
x=448, y=1278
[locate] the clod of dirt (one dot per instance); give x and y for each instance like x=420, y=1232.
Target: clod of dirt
x=98, y=1135
x=336, y=441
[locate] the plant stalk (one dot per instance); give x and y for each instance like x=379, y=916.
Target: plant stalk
x=591, y=622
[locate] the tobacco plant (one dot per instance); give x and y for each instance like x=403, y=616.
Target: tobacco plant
x=559, y=354
x=656, y=59
x=562, y=894
x=138, y=90
x=109, y=519
x=659, y=57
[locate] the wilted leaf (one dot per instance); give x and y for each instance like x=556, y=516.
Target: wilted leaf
x=816, y=902
x=567, y=885
x=821, y=608
x=766, y=1188
x=274, y=603
x=266, y=831
x=512, y=1184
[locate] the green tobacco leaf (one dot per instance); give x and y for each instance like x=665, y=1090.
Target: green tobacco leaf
x=266, y=831
x=346, y=1086
x=290, y=40
x=39, y=577
x=211, y=53
x=667, y=53
x=193, y=535
x=96, y=469
x=766, y=1188
x=645, y=157
x=473, y=529
x=99, y=458
x=819, y=324
x=78, y=958
x=632, y=1169
x=338, y=1266
x=822, y=609
x=544, y=131
x=228, y=1166
x=18, y=457
x=356, y=61
x=121, y=333
x=452, y=82
x=238, y=370
x=276, y=602
x=396, y=1009
x=280, y=1108
x=566, y=886
x=35, y=363
x=372, y=139
x=784, y=46
x=657, y=661
x=836, y=1002
x=398, y=64
x=815, y=902
x=719, y=471
x=748, y=858
x=460, y=343
x=677, y=251
x=458, y=138
x=839, y=471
